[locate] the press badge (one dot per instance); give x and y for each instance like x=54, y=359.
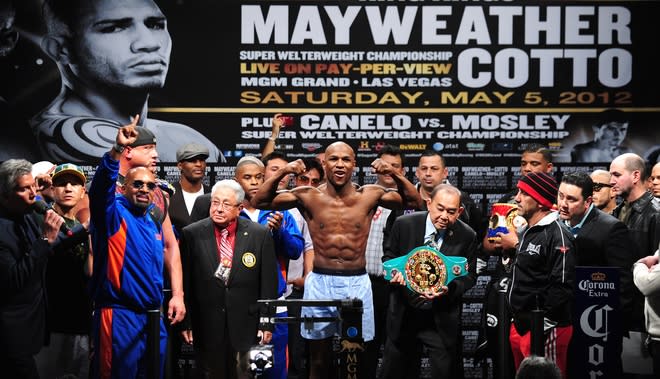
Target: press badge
x=223, y=270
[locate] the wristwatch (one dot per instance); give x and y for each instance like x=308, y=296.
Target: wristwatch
x=118, y=148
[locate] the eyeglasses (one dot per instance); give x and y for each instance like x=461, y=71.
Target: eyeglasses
x=138, y=184
x=599, y=186
x=224, y=206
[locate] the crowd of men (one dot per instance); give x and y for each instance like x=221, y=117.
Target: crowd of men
x=84, y=263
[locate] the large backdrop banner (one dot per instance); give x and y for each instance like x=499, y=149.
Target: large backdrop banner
x=477, y=81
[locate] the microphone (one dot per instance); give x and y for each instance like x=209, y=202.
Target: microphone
x=42, y=207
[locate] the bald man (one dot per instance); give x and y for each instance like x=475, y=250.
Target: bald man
x=640, y=214
x=127, y=280
x=654, y=179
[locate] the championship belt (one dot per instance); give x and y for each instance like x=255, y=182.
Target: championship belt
x=426, y=269
x=502, y=217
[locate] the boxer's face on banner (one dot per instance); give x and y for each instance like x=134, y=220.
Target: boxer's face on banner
x=122, y=43
x=612, y=133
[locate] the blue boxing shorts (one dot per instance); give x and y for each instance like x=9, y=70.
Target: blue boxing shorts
x=336, y=287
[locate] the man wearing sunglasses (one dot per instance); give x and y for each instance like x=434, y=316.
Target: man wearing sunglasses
x=603, y=196
x=127, y=280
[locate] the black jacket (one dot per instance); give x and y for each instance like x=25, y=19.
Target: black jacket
x=644, y=225
x=214, y=308
x=604, y=241
x=459, y=240
x=23, y=259
x=543, y=274
x=644, y=228
x=177, y=208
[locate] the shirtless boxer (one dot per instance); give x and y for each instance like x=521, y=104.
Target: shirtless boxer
x=339, y=215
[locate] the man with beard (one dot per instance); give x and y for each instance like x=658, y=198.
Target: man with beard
x=339, y=217
x=111, y=54
x=543, y=272
x=640, y=214
x=128, y=245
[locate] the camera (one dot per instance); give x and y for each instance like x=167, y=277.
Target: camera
x=260, y=359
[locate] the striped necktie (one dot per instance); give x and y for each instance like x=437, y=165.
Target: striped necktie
x=226, y=251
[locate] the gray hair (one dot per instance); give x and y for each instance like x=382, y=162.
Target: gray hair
x=10, y=171
x=232, y=185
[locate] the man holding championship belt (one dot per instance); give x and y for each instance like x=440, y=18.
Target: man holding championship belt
x=430, y=315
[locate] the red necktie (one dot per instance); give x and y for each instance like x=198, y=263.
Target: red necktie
x=226, y=252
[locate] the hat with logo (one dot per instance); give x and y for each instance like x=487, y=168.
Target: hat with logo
x=71, y=169
x=191, y=150
x=540, y=186
x=145, y=137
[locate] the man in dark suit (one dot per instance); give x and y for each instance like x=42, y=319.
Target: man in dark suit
x=601, y=240
x=191, y=159
x=25, y=243
x=229, y=263
x=201, y=207
x=430, y=319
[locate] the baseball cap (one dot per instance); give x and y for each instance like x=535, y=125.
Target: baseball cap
x=145, y=137
x=42, y=167
x=69, y=168
x=191, y=150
